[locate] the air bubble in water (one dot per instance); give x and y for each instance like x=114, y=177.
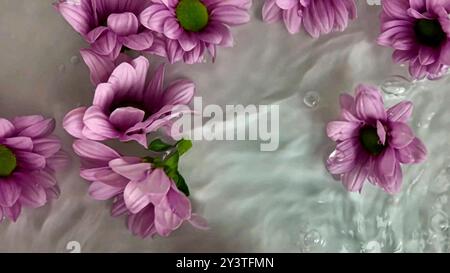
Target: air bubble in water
x=312, y=238
x=372, y=247
x=396, y=85
x=75, y=60
x=439, y=221
x=312, y=99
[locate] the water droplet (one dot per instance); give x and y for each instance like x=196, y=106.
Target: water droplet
x=312, y=238
x=312, y=99
x=396, y=85
x=75, y=60
x=62, y=68
x=439, y=221
x=372, y=247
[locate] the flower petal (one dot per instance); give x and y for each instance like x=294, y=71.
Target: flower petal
x=97, y=121
x=286, y=4
x=100, y=191
x=13, y=212
x=39, y=129
x=19, y=143
x=130, y=167
x=135, y=198
x=142, y=223
x=78, y=15
x=172, y=212
x=100, y=67
x=73, y=122
x=342, y=130
x=230, y=15
x=139, y=42
x=386, y=162
x=198, y=221
x=400, y=112
x=32, y=195
x=343, y=159
x=415, y=152
x=369, y=103
x=123, y=24
x=47, y=146
x=126, y=117
x=381, y=131
x=118, y=208
x=401, y=135
x=292, y=20
x=29, y=160
x=6, y=128
x=94, y=150
x=179, y=92
x=354, y=179
x=271, y=12
x=9, y=192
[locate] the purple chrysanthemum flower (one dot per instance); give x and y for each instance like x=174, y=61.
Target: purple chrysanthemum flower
x=108, y=25
x=127, y=107
x=419, y=31
x=194, y=26
x=372, y=141
x=145, y=194
x=29, y=158
x=318, y=17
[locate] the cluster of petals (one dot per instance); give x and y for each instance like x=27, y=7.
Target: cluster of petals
x=317, y=17
x=146, y=195
x=128, y=106
x=419, y=33
x=373, y=142
x=30, y=155
x=156, y=26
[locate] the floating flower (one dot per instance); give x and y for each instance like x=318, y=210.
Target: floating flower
x=194, y=26
x=29, y=157
x=141, y=190
x=419, y=32
x=372, y=142
x=318, y=16
x=127, y=107
x=108, y=25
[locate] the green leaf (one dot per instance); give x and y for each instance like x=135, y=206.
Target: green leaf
x=184, y=146
x=181, y=184
x=171, y=169
x=158, y=145
x=171, y=163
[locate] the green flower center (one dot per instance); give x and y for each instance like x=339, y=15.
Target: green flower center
x=370, y=141
x=8, y=161
x=429, y=32
x=192, y=15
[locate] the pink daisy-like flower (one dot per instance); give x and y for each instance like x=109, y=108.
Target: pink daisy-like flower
x=108, y=25
x=141, y=191
x=127, y=107
x=419, y=31
x=318, y=17
x=372, y=142
x=29, y=158
x=192, y=27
